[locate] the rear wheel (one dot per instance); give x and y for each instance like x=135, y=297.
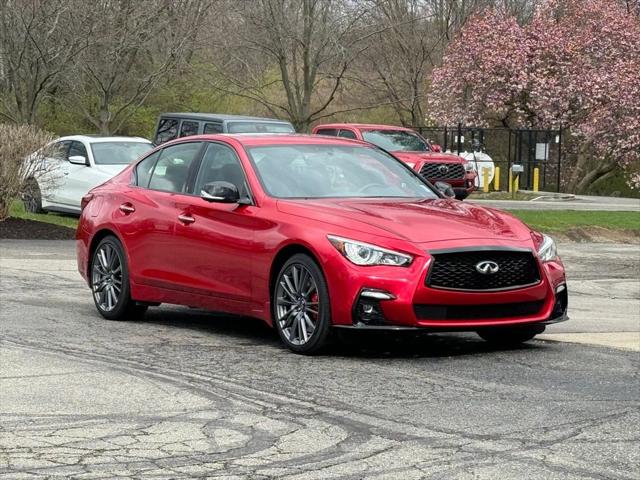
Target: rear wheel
x=301, y=309
x=110, y=282
x=510, y=336
x=32, y=197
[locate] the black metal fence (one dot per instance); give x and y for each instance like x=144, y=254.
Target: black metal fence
x=532, y=149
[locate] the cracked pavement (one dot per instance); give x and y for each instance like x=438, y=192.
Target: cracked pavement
x=189, y=394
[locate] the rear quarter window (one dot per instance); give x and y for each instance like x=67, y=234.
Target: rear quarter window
x=167, y=130
x=144, y=169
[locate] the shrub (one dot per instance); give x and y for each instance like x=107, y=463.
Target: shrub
x=21, y=159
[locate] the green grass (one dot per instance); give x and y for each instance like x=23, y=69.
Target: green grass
x=564, y=220
x=17, y=211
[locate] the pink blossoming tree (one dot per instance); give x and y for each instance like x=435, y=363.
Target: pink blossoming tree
x=575, y=66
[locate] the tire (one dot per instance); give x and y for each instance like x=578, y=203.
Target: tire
x=32, y=197
x=109, y=279
x=510, y=336
x=301, y=311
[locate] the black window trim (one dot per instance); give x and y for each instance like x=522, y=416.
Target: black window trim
x=191, y=181
x=196, y=159
x=194, y=168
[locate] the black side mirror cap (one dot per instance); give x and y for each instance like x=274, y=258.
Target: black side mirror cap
x=220, y=192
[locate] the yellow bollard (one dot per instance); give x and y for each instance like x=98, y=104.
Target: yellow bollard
x=536, y=179
x=516, y=183
x=510, y=187
x=485, y=180
x=496, y=179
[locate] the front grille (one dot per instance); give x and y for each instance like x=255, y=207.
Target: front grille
x=443, y=171
x=457, y=270
x=477, y=312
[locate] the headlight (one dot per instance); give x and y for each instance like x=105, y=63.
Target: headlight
x=547, y=251
x=365, y=254
x=468, y=167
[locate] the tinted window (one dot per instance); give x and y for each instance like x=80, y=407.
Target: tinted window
x=347, y=134
x=172, y=170
x=259, y=127
x=118, y=153
x=396, y=140
x=189, y=128
x=167, y=130
x=78, y=149
x=212, y=128
x=331, y=132
x=325, y=171
x=220, y=164
x=58, y=150
x=144, y=169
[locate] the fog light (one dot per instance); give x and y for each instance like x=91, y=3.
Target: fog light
x=562, y=302
x=367, y=309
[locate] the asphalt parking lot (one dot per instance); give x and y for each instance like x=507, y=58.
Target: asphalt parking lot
x=188, y=394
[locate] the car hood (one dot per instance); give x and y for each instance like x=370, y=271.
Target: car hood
x=428, y=157
x=416, y=221
x=110, y=170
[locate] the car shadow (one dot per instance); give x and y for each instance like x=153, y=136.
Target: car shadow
x=251, y=331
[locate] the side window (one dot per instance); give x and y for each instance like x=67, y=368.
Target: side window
x=78, y=149
x=347, y=134
x=167, y=130
x=189, y=128
x=144, y=169
x=331, y=132
x=220, y=164
x=58, y=150
x=172, y=170
x=212, y=128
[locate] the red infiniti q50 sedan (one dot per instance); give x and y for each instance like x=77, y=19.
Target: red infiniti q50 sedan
x=311, y=234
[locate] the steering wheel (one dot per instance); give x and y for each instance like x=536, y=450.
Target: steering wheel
x=370, y=185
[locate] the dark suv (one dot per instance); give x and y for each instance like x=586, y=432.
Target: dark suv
x=175, y=125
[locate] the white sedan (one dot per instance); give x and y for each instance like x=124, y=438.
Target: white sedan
x=74, y=165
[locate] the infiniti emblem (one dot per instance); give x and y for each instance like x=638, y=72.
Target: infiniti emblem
x=443, y=169
x=487, y=267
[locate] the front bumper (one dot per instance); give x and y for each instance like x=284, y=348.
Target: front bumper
x=412, y=305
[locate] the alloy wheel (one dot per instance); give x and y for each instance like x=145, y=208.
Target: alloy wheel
x=297, y=304
x=106, y=277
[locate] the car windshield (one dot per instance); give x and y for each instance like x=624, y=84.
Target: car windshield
x=118, y=153
x=396, y=140
x=326, y=171
x=259, y=127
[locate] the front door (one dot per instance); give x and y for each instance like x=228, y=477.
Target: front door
x=215, y=241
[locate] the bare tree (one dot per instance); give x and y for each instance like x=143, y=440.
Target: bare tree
x=38, y=41
x=290, y=56
x=136, y=45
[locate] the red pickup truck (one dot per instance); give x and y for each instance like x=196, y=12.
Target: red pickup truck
x=411, y=148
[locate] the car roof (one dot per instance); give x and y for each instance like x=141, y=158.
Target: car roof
x=365, y=126
x=219, y=117
x=90, y=138
x=263, y=139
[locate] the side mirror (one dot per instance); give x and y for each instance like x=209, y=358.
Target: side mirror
x=221, y=192
x=436, y=148
x=78, y=160
x=445, y=189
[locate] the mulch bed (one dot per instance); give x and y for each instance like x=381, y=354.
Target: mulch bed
x=21, y=229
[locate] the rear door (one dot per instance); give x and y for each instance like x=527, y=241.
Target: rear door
x=148, y=214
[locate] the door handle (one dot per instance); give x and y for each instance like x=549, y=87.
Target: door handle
x=127, y=208
x=186, y=218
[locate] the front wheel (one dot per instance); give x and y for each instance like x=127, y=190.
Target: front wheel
x=110, y=282
x=301, y=309
x=510, y=336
